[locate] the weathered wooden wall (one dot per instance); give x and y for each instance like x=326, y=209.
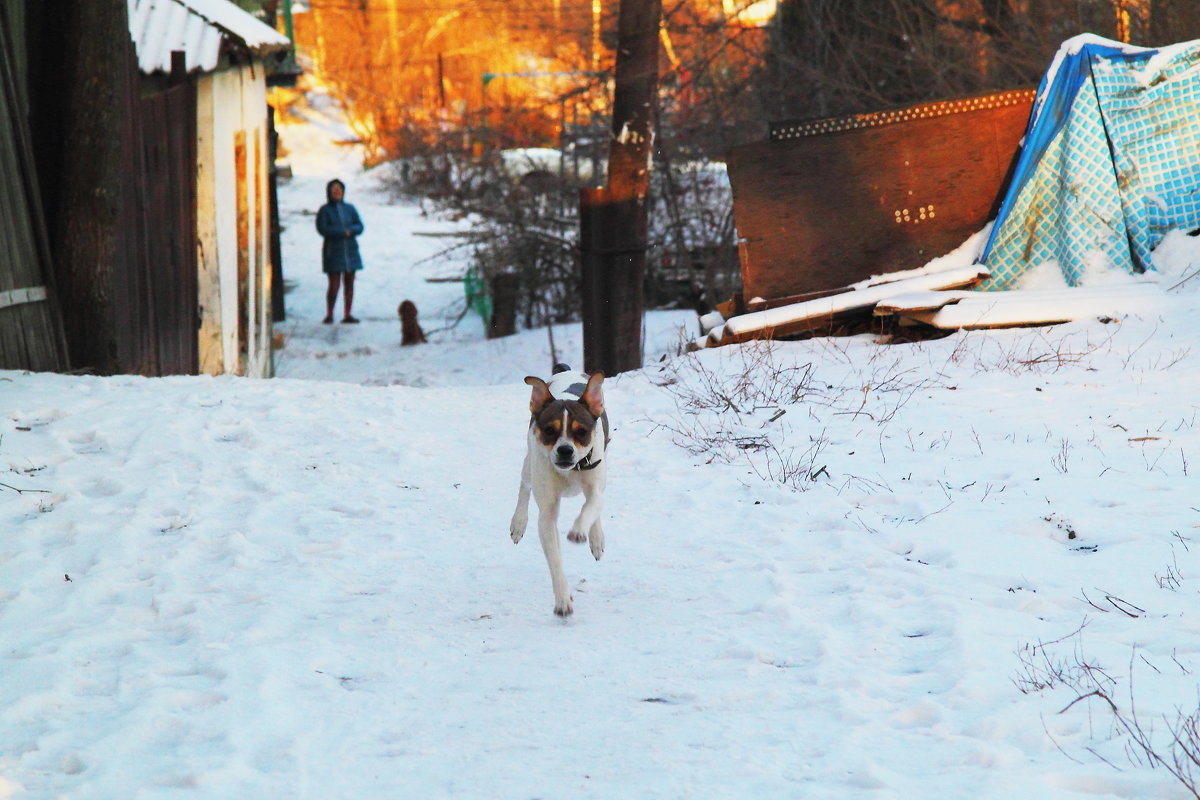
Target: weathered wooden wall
x=168, y=227
x=826, y=203
x=30, y=329
x=135, y=310
x=233, y=223
x=154, y=281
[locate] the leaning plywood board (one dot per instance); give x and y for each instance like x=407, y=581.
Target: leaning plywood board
x=821, y=313
x=968, y=310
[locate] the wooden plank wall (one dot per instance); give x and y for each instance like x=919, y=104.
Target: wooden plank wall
x=826, y=203
x=155, y=279
x=152, y=283
x=171, y=265
x=31, y=334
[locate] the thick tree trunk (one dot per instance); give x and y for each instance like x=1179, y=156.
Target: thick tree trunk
x=634, y=99
x=87, y=223
x=613, y=220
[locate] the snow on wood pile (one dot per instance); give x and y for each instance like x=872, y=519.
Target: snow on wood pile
x=819, y=313
x=968, y=310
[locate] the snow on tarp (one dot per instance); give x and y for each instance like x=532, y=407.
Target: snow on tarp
x=955, y=310
x=1110, y=162
x=813, y=314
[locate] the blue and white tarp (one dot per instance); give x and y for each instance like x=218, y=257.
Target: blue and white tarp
x=1109, y=164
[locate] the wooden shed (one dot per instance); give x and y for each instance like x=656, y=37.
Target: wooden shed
x=227, y=54
x=134, y=179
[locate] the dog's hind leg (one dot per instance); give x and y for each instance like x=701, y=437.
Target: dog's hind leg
x=520, y=517
x=548, y=533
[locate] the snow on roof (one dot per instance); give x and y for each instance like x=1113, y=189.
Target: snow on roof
x=198, y=28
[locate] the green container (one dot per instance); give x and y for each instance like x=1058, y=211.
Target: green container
x=478, y=298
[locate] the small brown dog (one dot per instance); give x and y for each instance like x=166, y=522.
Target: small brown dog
x=410, y=329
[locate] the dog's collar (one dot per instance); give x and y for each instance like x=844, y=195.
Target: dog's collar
x=586, y=463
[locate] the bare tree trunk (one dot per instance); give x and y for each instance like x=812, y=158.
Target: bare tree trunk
x=633, y=99
x=87, y=231
x=613, y=221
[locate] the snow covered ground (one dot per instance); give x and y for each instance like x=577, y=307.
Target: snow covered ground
x=834, y=569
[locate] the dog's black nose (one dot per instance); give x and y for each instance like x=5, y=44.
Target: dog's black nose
x=565, y=451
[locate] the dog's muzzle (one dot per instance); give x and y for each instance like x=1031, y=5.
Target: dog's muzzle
x=564, y=456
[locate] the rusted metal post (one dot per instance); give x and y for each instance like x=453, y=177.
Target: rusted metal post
x=613, y=220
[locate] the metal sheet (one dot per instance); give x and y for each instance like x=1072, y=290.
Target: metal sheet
x=827, y=203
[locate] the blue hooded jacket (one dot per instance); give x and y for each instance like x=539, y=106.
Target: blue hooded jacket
x=339, y=253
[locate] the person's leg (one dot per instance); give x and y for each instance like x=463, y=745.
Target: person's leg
x=348, y=297
x=331, y=293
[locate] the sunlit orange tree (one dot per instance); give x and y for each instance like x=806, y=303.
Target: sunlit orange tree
x=480, y=74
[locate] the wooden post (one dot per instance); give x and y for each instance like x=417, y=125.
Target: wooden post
x=612, y=272
x=613, y=220
x=278, y=308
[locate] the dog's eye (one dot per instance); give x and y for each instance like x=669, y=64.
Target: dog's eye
x=549, y=432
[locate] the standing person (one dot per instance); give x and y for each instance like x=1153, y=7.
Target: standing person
x=338, y=222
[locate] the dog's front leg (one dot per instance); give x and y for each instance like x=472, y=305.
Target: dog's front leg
x=548, y=533
x=588, y=521
x=596, y=539
x=520, y=517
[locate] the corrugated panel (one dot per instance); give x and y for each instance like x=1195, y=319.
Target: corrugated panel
x=198, y=28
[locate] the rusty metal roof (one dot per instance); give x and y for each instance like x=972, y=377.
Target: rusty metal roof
x=200, y=28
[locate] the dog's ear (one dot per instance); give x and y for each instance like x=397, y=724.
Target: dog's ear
x=541, y=395
x=593, y=398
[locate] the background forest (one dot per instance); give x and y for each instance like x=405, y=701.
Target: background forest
x=522, y=73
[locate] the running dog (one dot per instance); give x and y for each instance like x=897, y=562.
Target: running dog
x=567, y=440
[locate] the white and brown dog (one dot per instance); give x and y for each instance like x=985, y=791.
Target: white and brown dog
x=568, y=434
